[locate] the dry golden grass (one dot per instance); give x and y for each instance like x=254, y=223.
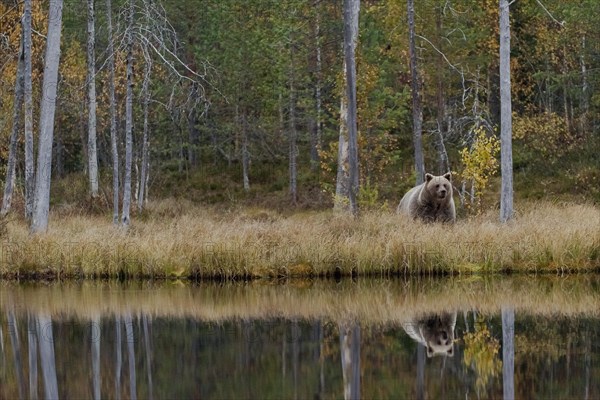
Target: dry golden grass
x=181, y=240
x=371, y=301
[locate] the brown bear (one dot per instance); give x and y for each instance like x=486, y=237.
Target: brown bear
x=430, y=201
x=435, y=332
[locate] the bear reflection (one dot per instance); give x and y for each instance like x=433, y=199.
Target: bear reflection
x=435, y=332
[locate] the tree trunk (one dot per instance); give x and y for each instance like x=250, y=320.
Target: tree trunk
x=193, y=133
x=585, y=87
x=293, y=148
x=95, y=339
x=128, y=120
x=130, y=340
x=350, y=353
x=113, y=113
x=417, y=111
x=343, y=177
x=91, y=81
x=47, y=109
x=351, y=11
x=506, y=196
x=118, y=357
x=145, y=145
x=245, y=153
x=443, y=166
x=29, y=157
x=420, y=372
x=32, y=342
x=316, y=131
x=9, y=184
x=148, y=348
x=508, y=353
x=16, y=347
x=46, y=347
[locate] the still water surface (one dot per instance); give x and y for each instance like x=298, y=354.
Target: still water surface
x=470, y=338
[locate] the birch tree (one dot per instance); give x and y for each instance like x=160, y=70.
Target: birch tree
x=350, y=354
x=125, y=219
x=113, y=113
x=28, y=105
x=347, y=168
x=9, y=183
x=506, y=163
x=145, y=145
x=343, y=175
x=417, y=111
x=32, y=343
x=91, y=83
x=47, y=359
x=97, y=382
x=16, y=347
x=47, y=110
x=508, y=353
x=351, y=12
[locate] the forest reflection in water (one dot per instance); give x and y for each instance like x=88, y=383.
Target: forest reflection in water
x=468, y=338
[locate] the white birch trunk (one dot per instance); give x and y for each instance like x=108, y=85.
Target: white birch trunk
x=29, y=155
x=9, y=183
x=47, y=359
x=32, y=342
x=113, y=113
x=351, y=12
x=145, y=145
x=350, y=354
x=343, y=176
x=148, y=347
x=91, y=81
x=506, y=163
x=129, y=338
x=118, y=357
x=125, y=219
x=48, y=107
x=508, y=353
x=95, y=338
x=15, y=343
x=417, y=111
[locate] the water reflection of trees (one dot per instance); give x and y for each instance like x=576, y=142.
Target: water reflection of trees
x=137, y=354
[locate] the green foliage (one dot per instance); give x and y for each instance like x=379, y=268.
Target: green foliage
x=481, y=354
x=480, y=163
x=253, y=53
x=547, y=135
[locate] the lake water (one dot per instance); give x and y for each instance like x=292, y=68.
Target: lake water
x=465, y=338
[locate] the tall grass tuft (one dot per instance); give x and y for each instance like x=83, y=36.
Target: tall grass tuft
x=180, y=240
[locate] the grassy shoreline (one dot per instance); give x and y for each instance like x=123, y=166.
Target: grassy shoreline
x=175, y=241
x=371, y=301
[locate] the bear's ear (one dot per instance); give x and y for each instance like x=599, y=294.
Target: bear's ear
x=448, y=176
x=428, y=177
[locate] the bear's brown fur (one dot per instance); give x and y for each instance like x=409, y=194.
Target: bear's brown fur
x=435, y=332
x=430, y=201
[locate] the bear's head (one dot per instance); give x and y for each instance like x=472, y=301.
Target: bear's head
x=439, y=341
x=439, y=187
x=438, y=332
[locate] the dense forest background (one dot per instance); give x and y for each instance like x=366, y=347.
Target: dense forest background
x=244, y=86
